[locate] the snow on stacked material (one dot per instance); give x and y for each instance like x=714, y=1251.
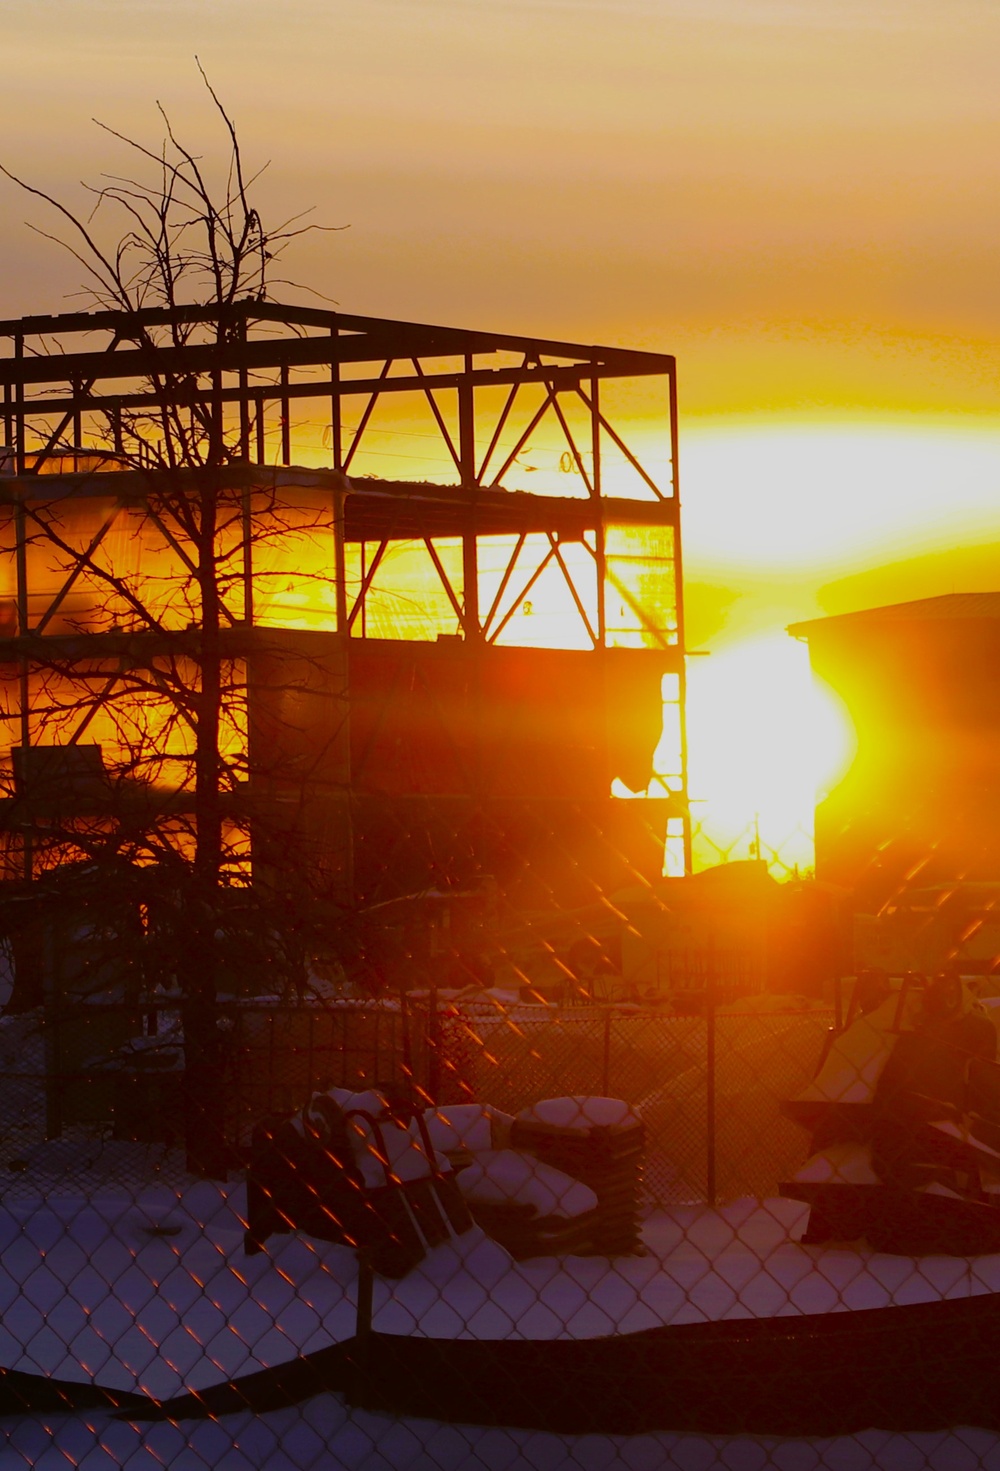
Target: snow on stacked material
x=848, y=1163
x=502, y=1176
x=964, y=1134
x=466, y=1127
x=581, y=1114
x=599, y=1141
x=857, y=1056
x=381, y=1144
x=368, y=1102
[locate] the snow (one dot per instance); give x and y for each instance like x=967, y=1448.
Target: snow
x=383, y=1147
x=857, y=1056
x=322, y=1433
x=370, y=1102
x=88, y=1292
x=471, y=1127
x=580, y=1115
x=841, y=1164
x=499, y=1176
x=963, y=1133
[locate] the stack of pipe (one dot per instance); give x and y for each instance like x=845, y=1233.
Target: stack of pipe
x=599, y=1141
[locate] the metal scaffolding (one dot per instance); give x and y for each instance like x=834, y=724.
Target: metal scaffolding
x=457, y=512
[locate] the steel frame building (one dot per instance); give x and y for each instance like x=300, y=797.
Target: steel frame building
x=518, y=624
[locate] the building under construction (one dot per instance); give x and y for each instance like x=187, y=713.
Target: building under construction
x=449, y=575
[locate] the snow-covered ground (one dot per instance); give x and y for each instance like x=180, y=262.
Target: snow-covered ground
x=155, y=1293
x=152, y=1291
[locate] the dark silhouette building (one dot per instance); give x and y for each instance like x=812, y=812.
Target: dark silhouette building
x=920, y=804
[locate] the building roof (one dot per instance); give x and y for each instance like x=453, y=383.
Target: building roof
x=980, y=605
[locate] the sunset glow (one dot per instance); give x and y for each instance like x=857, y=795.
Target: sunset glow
x=798, y=200
x=767, y=741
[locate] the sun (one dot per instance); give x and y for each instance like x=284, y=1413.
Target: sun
x=766, y=740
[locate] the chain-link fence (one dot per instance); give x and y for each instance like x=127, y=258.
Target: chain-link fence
x=474, y=1231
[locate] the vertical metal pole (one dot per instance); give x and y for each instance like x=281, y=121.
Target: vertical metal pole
x=471, y=624
x=339, y=499
x=406, y=1041
x=336, y=433
x=77, y=420
x=19, y=406
x=340, y=557
x=244, y=387
x=51, y=991
x=366, y=1283
x=286, y=428
x=361, y=594
x=246, y=508
x=340, y=595
x=246, y=496
x=433, y=1048
x=23, y=668
x=600, y=569
x=247, y=529
x=362, y=1329
x=467, y=456
x=21, y=565
x=606, y=1063
x=599, y=558
x=21, y=572
x=681, y=640
x=218, y=418
x=261, y=437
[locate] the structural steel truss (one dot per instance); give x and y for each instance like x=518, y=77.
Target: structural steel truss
x=480, y=486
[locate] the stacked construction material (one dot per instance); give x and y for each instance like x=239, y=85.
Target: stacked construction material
x=527, y=1206
x=600, y=1142
x=905, y=1118
x=349, y=1169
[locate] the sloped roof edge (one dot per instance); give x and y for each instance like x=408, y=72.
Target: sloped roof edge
x=984, y=605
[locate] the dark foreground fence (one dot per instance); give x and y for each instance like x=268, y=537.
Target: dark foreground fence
x=491, y=1235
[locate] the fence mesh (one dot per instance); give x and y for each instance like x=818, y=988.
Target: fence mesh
x=484, y=1226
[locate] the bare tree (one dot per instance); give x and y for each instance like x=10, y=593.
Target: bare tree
x=169, y=677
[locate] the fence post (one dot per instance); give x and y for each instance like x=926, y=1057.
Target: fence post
x=433, y=1047
x=710, y=1184
x=54, y=1080
x=362, y=1329
x=606, y=1064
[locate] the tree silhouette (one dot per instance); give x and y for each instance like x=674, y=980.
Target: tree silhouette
x=169, y=596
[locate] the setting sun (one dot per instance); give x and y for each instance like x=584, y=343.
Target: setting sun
x=766, y=741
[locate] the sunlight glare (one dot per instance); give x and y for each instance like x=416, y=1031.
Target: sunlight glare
x=766, y=741
x=832, y=497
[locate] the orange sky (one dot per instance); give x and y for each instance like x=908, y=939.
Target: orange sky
x=800, y=198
